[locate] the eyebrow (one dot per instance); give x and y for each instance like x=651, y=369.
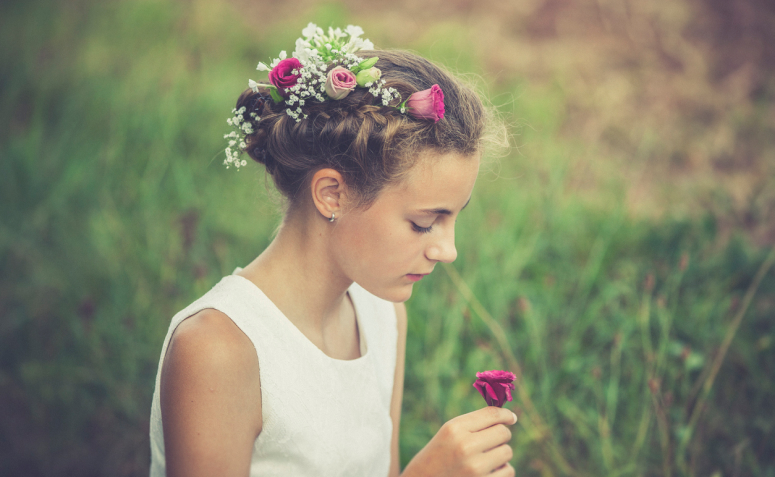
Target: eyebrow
x=442, y=211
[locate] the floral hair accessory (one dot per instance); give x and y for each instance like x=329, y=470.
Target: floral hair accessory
x=339, y=82
x=241, y=128
x=285, y=75
x=426, y=104
x=495, y=386
x=324, y=67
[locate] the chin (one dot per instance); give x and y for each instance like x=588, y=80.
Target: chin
x=396, y=294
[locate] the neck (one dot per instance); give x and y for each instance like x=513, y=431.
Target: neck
x=298, y=274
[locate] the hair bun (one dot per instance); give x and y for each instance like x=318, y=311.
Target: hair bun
x=258, y=101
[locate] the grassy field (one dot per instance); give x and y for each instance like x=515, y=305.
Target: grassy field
x=618, y=258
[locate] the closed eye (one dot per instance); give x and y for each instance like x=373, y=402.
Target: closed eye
x=422, y=230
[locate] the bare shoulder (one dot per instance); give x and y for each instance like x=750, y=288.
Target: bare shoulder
x=213, y=334
x=210, y=397
x=209, y=348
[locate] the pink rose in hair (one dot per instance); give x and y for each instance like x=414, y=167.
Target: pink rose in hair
x=283, y=76
x=340, y=82
x=427, y=104
x=495, y=386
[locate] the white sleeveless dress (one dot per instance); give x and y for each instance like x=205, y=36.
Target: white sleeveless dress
x=321, y=416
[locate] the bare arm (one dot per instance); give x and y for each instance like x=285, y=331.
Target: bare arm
x=210, y=398
x=398, y=389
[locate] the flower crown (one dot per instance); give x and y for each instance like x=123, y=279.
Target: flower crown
x=324, y=67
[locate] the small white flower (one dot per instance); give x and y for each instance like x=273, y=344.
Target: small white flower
x=310, y=30
x=354, y=31
x=253, y=85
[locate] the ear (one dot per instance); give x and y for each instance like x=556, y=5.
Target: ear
x=329, y=192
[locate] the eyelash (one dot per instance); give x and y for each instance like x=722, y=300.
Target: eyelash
x=421, y=230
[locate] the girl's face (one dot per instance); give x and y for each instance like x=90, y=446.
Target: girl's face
x=408, y=229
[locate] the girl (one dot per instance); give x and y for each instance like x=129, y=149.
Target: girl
x=294, y=365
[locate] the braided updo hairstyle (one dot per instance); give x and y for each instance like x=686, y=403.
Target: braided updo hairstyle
x=370, y=144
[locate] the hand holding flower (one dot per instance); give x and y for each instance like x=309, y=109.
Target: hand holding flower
x=474, y=444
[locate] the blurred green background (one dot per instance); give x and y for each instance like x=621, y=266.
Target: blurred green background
x=618, y=256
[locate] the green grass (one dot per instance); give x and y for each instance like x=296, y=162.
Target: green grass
x=116, y=213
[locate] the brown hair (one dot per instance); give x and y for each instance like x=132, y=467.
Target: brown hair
x=370, y=144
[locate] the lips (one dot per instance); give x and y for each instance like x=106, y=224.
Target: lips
x=415, y=277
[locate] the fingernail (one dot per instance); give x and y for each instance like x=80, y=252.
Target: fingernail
x=515, y=418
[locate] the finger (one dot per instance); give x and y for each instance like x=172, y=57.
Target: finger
x=485, y=464
x=487, y=417
x=504, y=471
x=499, y=457
x=490, y=438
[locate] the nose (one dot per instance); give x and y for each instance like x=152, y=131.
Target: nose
x=443, y=248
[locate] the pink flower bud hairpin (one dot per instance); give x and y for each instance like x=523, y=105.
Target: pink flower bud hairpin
x=426, y=104
x=495, y=386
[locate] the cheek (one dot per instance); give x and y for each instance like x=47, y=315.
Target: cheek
x=375, y=245
x=378, y=244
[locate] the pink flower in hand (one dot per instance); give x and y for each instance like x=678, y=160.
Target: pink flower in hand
x=340, y=82
x=495, y=386
x=283, y=76
x=427, y=104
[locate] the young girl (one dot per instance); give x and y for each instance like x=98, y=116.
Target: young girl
x=294, y=365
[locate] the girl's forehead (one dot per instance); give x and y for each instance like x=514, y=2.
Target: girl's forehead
x=439, y=169
x=437, y=178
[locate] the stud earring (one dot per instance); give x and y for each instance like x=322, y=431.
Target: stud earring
x=332, y=217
